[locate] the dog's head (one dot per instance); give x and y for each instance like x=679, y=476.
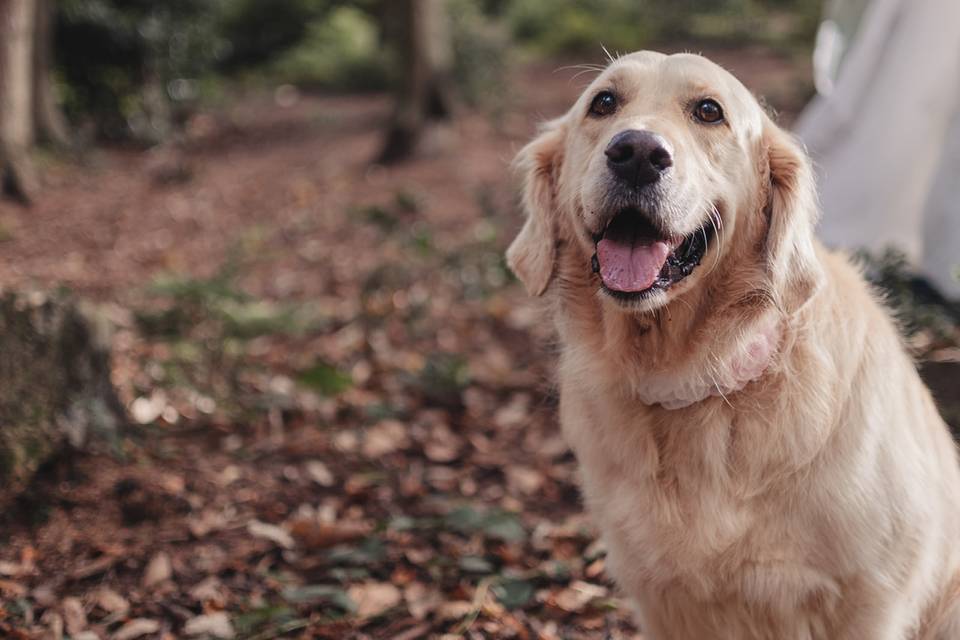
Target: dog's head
x=664, y=177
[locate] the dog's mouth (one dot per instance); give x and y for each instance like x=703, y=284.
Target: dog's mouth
x=634, y=258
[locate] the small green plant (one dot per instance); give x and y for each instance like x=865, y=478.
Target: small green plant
x=915, y=302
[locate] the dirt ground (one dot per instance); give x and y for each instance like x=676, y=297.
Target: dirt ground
x=343, y=421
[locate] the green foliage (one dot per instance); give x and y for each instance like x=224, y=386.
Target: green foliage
x=494, y=523
x=915, y=303
x=513, y=594
x=320, y=594
x=342, y=51
x=481, y=48
x=325, y=379
x=110, y=54
x=213, y=304
x=582, y=26
x=136, y=68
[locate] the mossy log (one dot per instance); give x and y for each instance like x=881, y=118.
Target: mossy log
x=55, y=389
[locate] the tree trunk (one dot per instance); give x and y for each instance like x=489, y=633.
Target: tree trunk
x=51, y=126
x=55, y=390
x=16, y=105
x=423, y=95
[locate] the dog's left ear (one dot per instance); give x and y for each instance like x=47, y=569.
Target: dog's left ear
x=792, y=212
x=533, y=253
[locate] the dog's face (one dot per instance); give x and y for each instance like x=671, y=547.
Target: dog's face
x=664, y=168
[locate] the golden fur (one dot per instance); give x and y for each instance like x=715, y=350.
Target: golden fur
x=820, y=501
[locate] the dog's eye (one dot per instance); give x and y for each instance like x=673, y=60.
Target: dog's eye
x=603, y=104
x=708, y=111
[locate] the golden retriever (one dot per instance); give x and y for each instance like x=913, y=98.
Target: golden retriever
x=756, y=446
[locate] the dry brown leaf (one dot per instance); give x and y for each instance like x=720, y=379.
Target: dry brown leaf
x=524, y=479
x=136, y=628
x=454, y=609
x=578, y=595
x=314, y=534
x=373, y=598
x=212, y=624
x=209, y=590
x=206, y=522
x=111, y=601
x=443, y=445
x=158, y=570
x=271, y=532
x=319, y=473
x=421, y=600
x=383, y=438
x=74, y=617
x=54, y=624
x=12, y=589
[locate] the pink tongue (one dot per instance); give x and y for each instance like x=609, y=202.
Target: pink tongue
x=633, y=266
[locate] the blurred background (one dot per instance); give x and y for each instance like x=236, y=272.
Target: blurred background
x=263, y=371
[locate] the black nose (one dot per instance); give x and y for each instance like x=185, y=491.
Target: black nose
x=638, y=157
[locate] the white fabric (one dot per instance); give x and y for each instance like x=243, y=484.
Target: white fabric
x=886, y=141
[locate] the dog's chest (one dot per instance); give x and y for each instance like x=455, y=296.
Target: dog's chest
x=678, y=510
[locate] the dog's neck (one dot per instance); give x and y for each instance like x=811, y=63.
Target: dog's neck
x=676, y=357
x=748, y=357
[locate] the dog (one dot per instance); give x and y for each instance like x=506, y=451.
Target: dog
x=756, y=447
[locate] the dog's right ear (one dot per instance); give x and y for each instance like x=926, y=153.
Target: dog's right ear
x=532, y=254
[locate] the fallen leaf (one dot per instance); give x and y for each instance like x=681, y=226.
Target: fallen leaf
x=271, y=532
x=320, y=535
x=54, y=623
x=136, y=628
x=12, y=589
x=578, y=595
x=44, y=595
x=208, y=521
x=319, y=473
x=383, y=438
x=475, y=564
x=443, y=445
x=316, y=593
x=373, y=598
x=209, y=590
x=214, y=624
x=158, y=570
x=95, y=567
x=74, y=617
x=454, y=610
x=111, y=601
x=421, y=600
x=524, y=479
x=513, y=594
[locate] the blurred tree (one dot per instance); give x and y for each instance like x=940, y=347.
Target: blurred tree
x=28, y=108
x=16, y=117
x=423, y=35
x=51, y=126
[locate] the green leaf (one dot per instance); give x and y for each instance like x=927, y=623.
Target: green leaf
x=464, y=519
x=513, y=594
x=320, y=593
x=324, y=378
x=495, y=523
x=368, y=552
x=475, y=564
x=256, y=618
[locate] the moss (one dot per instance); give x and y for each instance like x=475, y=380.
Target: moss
x=52, y=371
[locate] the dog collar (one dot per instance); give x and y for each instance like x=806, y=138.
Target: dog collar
x=745, y=362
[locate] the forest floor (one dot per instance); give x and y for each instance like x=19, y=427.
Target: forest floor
x=345, y=425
